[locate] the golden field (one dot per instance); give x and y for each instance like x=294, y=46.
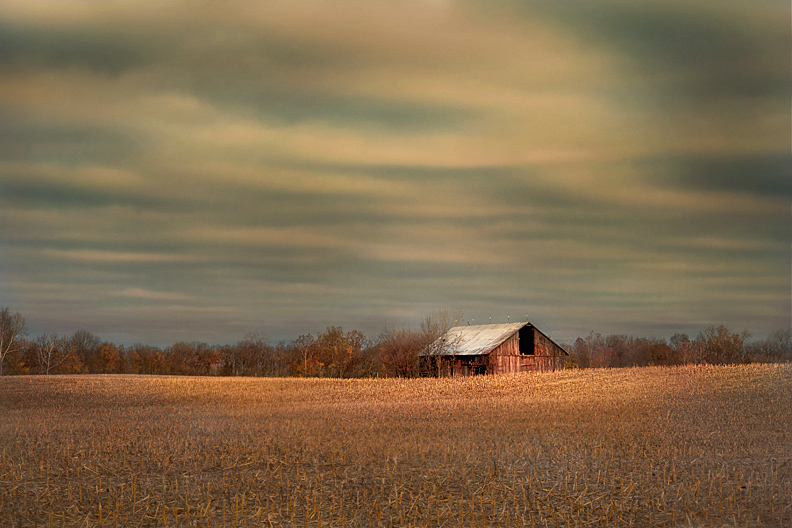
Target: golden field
x=685, y=446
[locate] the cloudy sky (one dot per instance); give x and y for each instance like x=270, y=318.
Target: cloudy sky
x=199, y=170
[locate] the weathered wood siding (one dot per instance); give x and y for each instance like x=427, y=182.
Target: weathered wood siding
x=503, y=364
x=462, y=365
x=545, y=347
x=507, y=358
x=542, y=363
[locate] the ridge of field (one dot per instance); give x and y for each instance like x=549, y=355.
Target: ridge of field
x=657, y=446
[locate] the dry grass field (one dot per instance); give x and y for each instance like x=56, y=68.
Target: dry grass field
x=689, y=446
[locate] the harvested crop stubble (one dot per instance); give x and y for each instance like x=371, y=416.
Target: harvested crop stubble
x=707, y=446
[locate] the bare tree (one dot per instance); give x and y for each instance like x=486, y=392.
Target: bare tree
x=305, y=346
x=86, y=348
x=254, y=355
x=438, y=323
x=581, y=353
x=399, y=349
x=12, y=328
x=720, y=346
x=688, y=351
x=436, y=344
x=776, y=347
x=591, y=351
x=51, y=351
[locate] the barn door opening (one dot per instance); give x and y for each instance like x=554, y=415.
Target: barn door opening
x=526, y=338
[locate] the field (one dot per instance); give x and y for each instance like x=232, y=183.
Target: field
x=688, y=446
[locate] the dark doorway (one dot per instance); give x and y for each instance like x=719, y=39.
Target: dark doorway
x=526, y=338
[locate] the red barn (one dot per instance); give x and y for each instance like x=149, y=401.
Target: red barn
x=493, y=349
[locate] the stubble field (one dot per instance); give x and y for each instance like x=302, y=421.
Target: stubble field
x=688, y=446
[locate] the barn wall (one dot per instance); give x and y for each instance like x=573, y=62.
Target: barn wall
x=499, y=364
x=548, y=356
x=506, y=358
x=543, y=346
x=462, y=365
x=542, y=363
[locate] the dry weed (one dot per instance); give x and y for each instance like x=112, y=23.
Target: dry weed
x=688, y=446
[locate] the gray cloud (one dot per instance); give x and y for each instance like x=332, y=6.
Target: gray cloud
x=767, y=174
x=60, y=194
x=198, y=174
x=25, y=139
x=289, y=108
x=106, y=52
x=693, y=51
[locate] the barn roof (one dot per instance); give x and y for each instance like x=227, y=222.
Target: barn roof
x=472, y=340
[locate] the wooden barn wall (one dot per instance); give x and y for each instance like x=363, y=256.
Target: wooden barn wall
x=510, y=347
x=542, y=363
x=507, y=358
x=545, y=347
x=463, y=365
x=547, y=356
x=499, y=364
x=448, y=366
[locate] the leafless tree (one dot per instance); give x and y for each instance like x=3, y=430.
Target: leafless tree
x=399, y=349
x=438, y=323
x=86, y=348
x=688, y=351
x=51, y=351
x=12, y=328
x=581, y=353
x=720, y=346
x=434, y=328
x=255, y=355
x=776, y=347
x=305, y=346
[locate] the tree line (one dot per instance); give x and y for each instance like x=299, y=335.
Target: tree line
x=338, y=354
x=714, y=345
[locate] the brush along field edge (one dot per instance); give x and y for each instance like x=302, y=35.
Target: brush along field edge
x=704, y=445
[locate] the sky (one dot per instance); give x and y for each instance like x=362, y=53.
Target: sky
x=200, y=170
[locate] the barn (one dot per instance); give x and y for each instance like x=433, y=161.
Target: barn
x=492, y=349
